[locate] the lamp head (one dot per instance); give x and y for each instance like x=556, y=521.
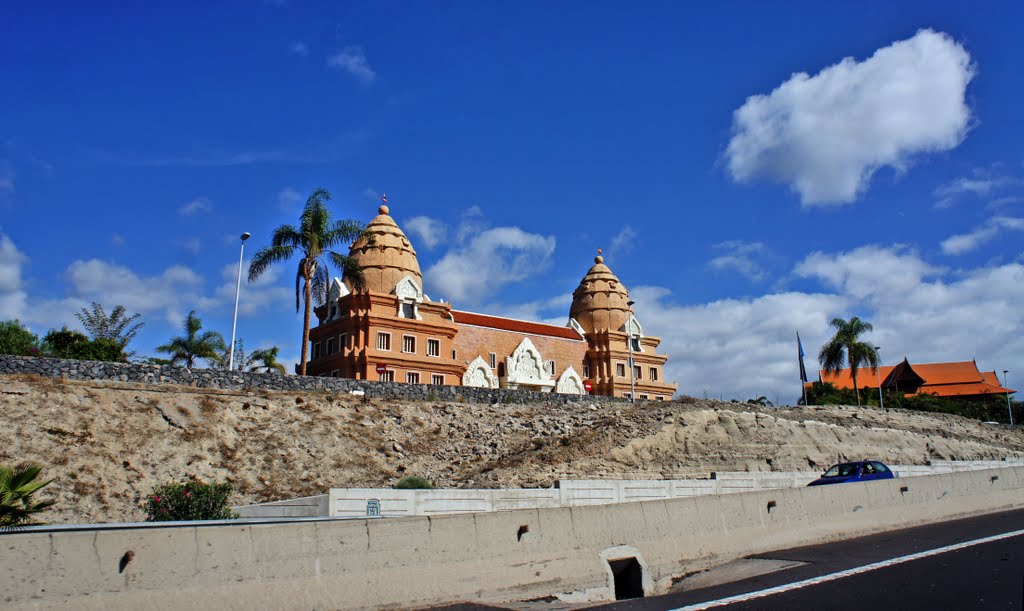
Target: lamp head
x=630, y=303
x=246, y=236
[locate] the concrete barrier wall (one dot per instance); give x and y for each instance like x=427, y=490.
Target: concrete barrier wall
x=428, y=560
x=305, y=507
x=352, y=502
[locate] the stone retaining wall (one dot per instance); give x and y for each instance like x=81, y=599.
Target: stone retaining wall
x=233, y=380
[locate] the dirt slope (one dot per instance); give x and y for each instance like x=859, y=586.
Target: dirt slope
x=106, y=445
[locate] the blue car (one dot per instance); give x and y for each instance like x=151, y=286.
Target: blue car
x=860, y=471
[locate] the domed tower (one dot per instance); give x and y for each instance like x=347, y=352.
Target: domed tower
x=599, y=303
x=386, y=329
x=385, y=255
x=621, y=361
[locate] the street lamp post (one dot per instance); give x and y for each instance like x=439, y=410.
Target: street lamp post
x=234, y=318
x=1006, y=383
x=629, y=342
x=878, y=375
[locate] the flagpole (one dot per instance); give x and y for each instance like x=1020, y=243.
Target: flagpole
x=803, y=370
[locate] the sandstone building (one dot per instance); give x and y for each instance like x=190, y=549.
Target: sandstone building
x=390, y=330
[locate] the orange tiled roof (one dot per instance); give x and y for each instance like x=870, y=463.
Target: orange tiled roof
x=948, y=373
x=510, y=324
x=943, y=379
x=865, y=377
x=959, y=390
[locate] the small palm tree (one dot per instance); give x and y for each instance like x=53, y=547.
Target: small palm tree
x=186, y=349
x=16, y=490
x=313, y=240
x=115, y=326
x=265, y=360
x=846, y=346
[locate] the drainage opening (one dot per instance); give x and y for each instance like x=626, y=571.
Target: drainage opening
x=629, y=578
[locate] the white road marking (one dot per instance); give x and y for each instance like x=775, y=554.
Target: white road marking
x=796, y=585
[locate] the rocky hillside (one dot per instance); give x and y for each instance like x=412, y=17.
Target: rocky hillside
x=107, y=444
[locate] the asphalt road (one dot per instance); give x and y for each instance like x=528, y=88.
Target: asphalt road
x=988, y=575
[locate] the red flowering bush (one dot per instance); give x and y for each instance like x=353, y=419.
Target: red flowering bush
x=192, y=500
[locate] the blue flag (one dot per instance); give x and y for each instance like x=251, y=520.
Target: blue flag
x=800, y=350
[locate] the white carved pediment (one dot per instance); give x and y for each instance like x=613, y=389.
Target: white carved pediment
x=408, y=290
x=334, y=293
x=479, y=374
x=526, y=366
x=570, y=383
x=632, y=327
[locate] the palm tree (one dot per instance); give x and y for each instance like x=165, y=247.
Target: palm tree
x=186, y=349
x=16, y=490
x=265, y=360
x=846, y=346
x=115, y=326
x=312, y=240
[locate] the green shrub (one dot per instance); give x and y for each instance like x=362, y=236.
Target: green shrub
x=16, y=339
x=414, y=482
x=193, y=500
x=68, y=344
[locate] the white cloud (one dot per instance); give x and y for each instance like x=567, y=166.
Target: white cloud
x=736, y=349
x=746, y=348
x=553, y=311
x=299, y=48
x=928, y=313
x=430, y=232
x=868, y=270
x=289, y=199
x=982, y=183
x=471, y=223
x=622, y=243
x=966, y=242
x=117, y=239
x=487, y=261
x=252, y=296
x=197, y=205
x=825, y=135
x=174, y=290
x=13, y=298
x=352, y=60
x=740, y=257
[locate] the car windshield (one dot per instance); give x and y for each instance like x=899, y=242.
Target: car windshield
x=843, y=470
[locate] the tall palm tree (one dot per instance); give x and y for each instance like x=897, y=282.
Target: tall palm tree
x=16, y=490
x=313, y=240
x=191, y=346
x=845, y=346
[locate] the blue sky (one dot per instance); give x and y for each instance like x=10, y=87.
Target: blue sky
x=750, y=169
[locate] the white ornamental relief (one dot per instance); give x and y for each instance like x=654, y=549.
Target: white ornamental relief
x=569, y=383
x=479, y=375
x=408, y=290
x=526, y=366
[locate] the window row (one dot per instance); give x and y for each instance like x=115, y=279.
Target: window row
x=620, y=371
x=408, y=344
x=330, y=346
x=413, y=377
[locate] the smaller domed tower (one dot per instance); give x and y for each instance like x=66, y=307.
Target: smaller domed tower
x=620, y=358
